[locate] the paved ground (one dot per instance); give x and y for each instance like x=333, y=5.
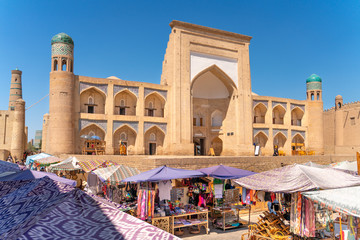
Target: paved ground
x=216, y=233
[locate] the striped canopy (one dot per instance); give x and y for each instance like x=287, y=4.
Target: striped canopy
x=90, y=165
x=114, y=174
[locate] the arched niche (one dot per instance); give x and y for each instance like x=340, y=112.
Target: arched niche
x=124, y=135
x=125, y=103
x=92, y=100
x=91, y=130
x=278, y=114
x=154, y=105
x=154, y=141
x=217, y=118
x=296, y=116
x=298, y=142
x=259, y=113
x=260, y=139
x=279, y=140
x=217, y=145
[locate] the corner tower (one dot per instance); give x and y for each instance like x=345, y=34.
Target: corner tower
x=315, y=114
x=61, y=110
x=15, y=88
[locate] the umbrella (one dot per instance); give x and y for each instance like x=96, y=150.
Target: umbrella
x=164, y=173
x=85, y=136
x=95, y=137
x=32, y=158
x=225, y=172
x=31, y=174
x=114, y=174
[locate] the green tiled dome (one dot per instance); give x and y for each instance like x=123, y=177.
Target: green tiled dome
x=62, y=38
x=313, y=78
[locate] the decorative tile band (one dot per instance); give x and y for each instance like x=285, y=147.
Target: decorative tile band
x=255, y=102
x=61, y=49
x=283, y=131
x=85, y=85
x=292, y=106
x=279, y=103
x=313, y=86
x=83, y=123
x=148, y=91
x=148, y=125
x=118, y=124
x=264, y=130
x=134, y=90
x=294, y=132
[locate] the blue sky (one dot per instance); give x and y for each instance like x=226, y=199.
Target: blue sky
x=291, y=40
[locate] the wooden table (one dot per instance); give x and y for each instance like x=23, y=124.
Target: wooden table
x=225, y=212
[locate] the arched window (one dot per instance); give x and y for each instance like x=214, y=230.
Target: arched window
x=339, y=104
x=123, y=136
x=63, y=65
x=122, y=103
x=318, y=96
x=91, y=105
x=15, y=79
x=152, y=137
x=71, y=66
x=55, y=65
x=91, y=100
x=151, y=109
x=312, y=96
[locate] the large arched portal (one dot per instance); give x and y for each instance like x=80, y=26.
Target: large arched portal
x=125, y=103
x=259, y=113
x=211, y=93
x=296, y=116
x=297, y=144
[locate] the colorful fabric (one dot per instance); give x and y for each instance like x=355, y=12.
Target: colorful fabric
x=47, y=161
x=343, y=200
x=90, y=165
x=8, y=167
x=114, y=174
x=42, y=207
x=32, y=158
x=298, y=178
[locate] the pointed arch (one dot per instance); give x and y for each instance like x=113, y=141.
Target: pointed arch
x=279, y=139
x=218, y=72
x=278, y=114
x=296, y=116
x=130, y=102
x=217, y=118
x=130, y=140
x=259, y=113
x=158, y=105
x=99, y=98
x=153, y=147
x=260, y=139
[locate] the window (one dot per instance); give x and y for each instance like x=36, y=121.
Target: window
x=352, y=121
x=151, y=112
x=90, y=109
x=63, y=65
x=318, y=96
x=15, y=79
x=55, y=65
x=91, y=100
x=194, y=121
x=201, y=122
x=122, y=111
x=123, y=136
x=152, y=137
x=312, y=96
x=122, y=103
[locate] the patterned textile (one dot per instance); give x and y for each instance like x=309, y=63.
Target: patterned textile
x=90, y=165
x=343, y=200
x=44, y=209
x=114, y=174
x=298, y=178
x=32, y=158
x=8, y=167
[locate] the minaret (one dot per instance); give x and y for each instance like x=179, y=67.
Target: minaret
x=315, y=114
x=15, y=88
x=61, y=101
x=18, y=130
x=339, y=122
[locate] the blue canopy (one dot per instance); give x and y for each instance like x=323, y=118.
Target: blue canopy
x=8, y=167
x=32, y=158
x=225, y=172
x=31, y=174
x=163, y=173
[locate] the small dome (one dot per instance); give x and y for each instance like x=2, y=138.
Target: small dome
x=62, y=38
x=338, y=97
x=313, y=78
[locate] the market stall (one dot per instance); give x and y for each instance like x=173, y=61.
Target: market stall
x=173, y=209
x=293, y=180
x=30, y=159
x=345, y=202
x=227, y=198
x=45, y=162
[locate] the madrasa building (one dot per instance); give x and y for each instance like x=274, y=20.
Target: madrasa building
x=203, y=103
